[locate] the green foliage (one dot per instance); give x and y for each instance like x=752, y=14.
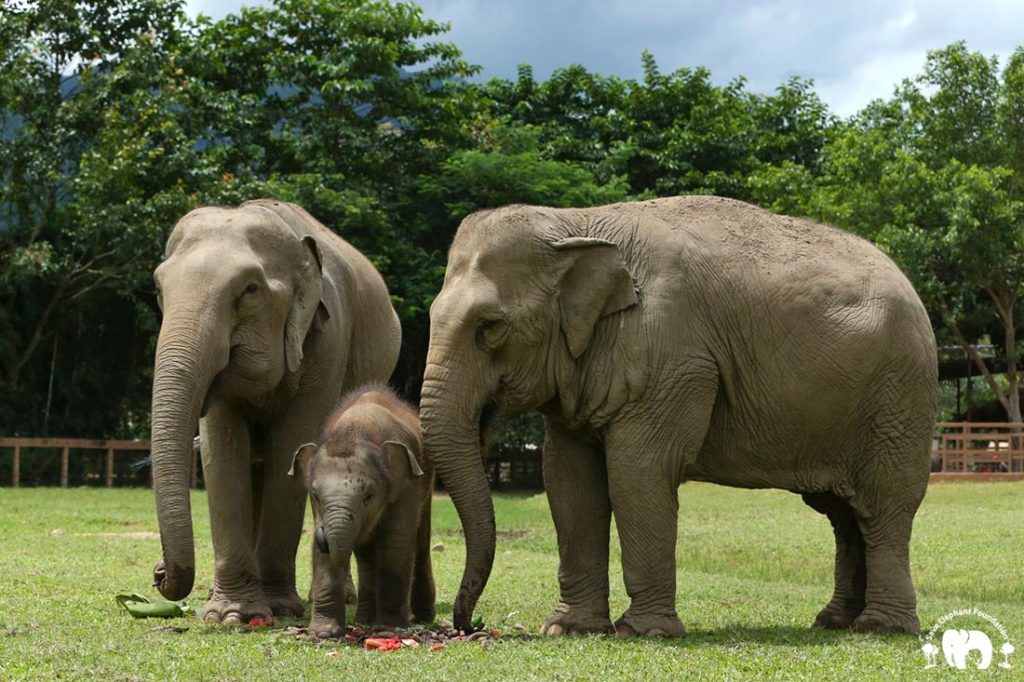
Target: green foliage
x=933, y=176
x=118, y=117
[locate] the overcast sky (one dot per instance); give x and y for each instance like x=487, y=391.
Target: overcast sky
x=854, y=51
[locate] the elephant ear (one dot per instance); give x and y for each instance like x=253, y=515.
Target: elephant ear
x=300, y=461
x=595, y=283
x=307, y=306
x=402, y=464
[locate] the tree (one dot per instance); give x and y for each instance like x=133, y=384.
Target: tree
x=933, y=175
x=120, y=117
x=87, y=149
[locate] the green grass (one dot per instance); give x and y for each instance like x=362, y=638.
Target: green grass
x=754, y=569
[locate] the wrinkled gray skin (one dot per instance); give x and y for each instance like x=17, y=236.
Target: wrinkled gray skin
x=370, y=489
x=268, y=318
x=690, y=338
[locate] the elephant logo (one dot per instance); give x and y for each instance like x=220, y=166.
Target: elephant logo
x=963, y=648
x=956, y=644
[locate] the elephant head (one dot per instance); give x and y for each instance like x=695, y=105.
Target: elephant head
x=956, y=644
x=522, y=298
x=239, y=290
x=351, y=482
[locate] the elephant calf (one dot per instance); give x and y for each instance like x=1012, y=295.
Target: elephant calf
x=370, y=488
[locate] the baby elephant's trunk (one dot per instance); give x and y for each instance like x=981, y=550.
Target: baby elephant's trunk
x=341, y=526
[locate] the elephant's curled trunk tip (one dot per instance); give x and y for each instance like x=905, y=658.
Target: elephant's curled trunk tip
x=174, y=582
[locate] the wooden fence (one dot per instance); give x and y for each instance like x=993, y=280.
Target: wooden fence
x=960, y=450
x=66, y=445
x=978, y=450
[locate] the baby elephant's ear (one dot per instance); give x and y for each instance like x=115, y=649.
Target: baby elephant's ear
x=300, y=461
x=395, y=449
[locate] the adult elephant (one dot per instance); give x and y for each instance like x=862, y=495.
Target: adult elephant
x=690, y=338
x=268, y=318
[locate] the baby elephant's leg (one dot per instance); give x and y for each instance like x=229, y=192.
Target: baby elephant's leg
x=423, y=592
x=328, y=619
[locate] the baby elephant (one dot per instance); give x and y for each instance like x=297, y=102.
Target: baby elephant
x=370, y=488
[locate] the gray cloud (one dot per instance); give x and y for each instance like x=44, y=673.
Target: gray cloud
x=853, y=51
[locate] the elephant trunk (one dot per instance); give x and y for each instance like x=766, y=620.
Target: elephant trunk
x=341, y=527
x=187, y=360
x=450, y=419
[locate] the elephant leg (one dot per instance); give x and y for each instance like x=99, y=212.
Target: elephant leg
x=851, y=571
x=366, y=610
x=351, y=596
x=237, y=592
x=423, y=598
x=283, y=510
x=328, y=594
x=396, y=553
x=576, y=484
x=891, y=604
x=646, y=507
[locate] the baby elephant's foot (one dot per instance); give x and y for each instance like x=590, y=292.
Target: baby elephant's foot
x=838, y=615
x=286, y=605
x=576, y=620
x=325, y=627
x=876, y=620
x=653, y=625
x=228, y=611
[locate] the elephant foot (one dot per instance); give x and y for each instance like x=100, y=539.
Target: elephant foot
x=576, y=620
x=874, y=620
x=325, y=627
x=286, y=605
x=424, y=613
x=395, y=620
x=227, y=611
x=631, y=625
x=838, y=615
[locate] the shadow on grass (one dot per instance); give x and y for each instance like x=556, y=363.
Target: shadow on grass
x=781, y=635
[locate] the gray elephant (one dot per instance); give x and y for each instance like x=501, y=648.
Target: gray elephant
x=689, y=338
x=370, y=488
x=267, y=318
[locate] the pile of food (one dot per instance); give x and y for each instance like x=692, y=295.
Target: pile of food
x=383, y=638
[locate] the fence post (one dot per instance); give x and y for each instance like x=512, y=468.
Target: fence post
x=64, y=467
x=110, y=467
x=16, y=467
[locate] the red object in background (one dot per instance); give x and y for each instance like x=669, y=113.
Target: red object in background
x=260, y=621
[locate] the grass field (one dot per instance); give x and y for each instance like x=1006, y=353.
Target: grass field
x=754, y=569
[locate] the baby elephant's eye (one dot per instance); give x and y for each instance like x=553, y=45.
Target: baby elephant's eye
x=367, y=497
x=252, y=288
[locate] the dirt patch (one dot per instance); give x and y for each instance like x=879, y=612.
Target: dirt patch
x=134, y=534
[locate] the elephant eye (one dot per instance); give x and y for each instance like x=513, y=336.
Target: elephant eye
x=491, y=333
x=367, y=497
x=252, y=288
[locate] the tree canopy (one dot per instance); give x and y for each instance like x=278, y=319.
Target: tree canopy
x=118, y=117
